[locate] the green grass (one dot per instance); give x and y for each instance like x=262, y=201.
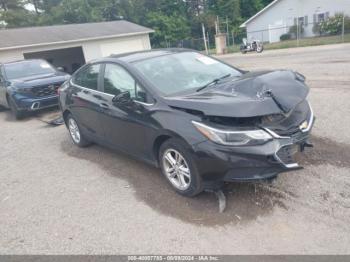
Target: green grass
x=312, y=41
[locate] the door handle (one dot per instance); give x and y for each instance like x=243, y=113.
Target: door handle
x=86, y=91
x=104, y=106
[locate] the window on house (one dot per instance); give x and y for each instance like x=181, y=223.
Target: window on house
x=320, y=17
x=303, y=20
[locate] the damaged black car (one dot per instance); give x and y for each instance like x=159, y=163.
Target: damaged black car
x=203, y=122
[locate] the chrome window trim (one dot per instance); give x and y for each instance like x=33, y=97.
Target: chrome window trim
x=143, y=103
x=72, y=83
x=93, y=90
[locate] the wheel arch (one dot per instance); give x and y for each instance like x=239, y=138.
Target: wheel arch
x=161, y=139
x=65, y=115
x=7, y=99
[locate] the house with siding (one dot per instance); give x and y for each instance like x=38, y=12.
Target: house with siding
x=277, y=18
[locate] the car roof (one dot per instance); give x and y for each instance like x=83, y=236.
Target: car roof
x=148, y=54
x=23, y=60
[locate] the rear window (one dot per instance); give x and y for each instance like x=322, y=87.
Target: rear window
x=26, y=69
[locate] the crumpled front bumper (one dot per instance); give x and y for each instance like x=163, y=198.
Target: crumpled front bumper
x=223, y=163
x=34, y=103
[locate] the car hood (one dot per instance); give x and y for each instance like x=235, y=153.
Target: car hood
x=39, y=80
x=250, y=95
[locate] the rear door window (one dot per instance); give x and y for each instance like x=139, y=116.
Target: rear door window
x=88, y=77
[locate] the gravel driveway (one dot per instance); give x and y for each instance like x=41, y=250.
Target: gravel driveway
x=56, y=198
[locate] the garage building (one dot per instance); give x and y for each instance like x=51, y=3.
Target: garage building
x=70, y=46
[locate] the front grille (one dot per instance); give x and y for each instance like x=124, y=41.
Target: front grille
x=290, y=132
x=46, y=90
x=286, y=153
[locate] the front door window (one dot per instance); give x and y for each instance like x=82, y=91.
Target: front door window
x=117, y=80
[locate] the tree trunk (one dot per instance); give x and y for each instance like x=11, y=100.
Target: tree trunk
x=35, y=3
x=3, y=5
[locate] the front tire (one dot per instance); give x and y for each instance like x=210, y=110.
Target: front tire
x=179, y=168
x=19, y=114
x=259, y=49
x=75, y=132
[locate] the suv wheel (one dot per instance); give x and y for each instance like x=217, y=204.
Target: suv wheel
x=179, y=168
x=74, y=131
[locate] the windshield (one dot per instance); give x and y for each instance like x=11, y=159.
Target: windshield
x=25, y=69
x=184, y=71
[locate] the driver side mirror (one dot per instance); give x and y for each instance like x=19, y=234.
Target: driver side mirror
x=122, y=98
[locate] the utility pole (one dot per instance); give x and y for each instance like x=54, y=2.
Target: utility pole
x=217, y=25
x=204, y=38
x=298, y=25
x=227, y=32
x=343, y=28
x=208, y=41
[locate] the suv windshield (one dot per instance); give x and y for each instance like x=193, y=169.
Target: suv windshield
x=25, y=69
x=180, y=72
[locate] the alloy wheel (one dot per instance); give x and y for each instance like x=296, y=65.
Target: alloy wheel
x=176, y=169
x=74, y=130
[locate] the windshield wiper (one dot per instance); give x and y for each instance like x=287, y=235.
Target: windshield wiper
x=215, y=81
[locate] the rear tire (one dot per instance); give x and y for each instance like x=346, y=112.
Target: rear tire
x=19, y=114
x=75, y=132
x=179, y=168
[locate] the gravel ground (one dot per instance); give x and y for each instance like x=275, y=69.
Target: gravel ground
x=56, y=198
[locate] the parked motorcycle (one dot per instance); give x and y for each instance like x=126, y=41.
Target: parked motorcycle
x=255, y=45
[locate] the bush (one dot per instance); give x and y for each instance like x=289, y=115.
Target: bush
x=293, y=30
x=285, y=37
x=317, y=30
x=334, y=24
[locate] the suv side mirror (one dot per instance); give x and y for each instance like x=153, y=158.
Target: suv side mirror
x=122, y=98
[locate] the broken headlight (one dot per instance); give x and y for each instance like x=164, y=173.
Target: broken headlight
x=233, y=137
x=23, y=90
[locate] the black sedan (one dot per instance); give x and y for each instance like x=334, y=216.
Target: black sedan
x=29, y=85
x=200, y=120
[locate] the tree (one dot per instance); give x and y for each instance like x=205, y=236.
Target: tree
x=173, y=20
x=13, y=14
x=168, y=29
x=6, y=5
x=334, y=24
